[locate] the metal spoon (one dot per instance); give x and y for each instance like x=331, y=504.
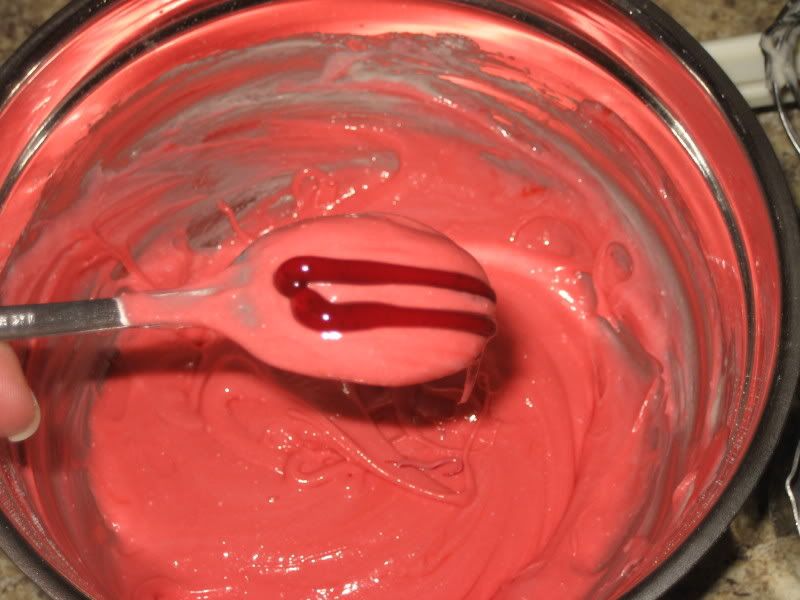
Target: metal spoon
x=371, y=329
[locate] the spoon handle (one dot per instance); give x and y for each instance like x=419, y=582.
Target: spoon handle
x=57, y=318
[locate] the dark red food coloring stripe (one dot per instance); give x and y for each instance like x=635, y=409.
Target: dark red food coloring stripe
x=312, y=310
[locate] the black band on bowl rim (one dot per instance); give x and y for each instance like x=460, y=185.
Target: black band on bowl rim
x=695, y=59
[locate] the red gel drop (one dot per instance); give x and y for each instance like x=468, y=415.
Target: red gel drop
x=312, y=310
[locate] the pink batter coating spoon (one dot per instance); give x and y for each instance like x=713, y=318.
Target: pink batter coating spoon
x=375, y=299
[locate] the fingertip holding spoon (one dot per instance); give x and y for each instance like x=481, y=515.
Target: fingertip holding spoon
x=375, y=299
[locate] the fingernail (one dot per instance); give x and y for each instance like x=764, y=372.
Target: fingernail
x=30, y=429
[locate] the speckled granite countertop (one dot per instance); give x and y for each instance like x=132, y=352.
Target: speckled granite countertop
x=759, y=556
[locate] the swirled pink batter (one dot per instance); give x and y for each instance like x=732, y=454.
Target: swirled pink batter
x=215, y=476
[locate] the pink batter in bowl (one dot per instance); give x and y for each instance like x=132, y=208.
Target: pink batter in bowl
x=622, y=199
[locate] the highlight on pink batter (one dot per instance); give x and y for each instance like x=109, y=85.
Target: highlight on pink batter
x=311, y=309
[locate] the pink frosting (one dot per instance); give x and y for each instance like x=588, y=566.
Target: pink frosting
x=197, y=471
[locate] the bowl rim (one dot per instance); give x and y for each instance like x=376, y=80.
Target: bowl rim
x=784, y=216
x=783, y=213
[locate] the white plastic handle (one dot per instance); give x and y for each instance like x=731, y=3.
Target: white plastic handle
x=741, y=58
